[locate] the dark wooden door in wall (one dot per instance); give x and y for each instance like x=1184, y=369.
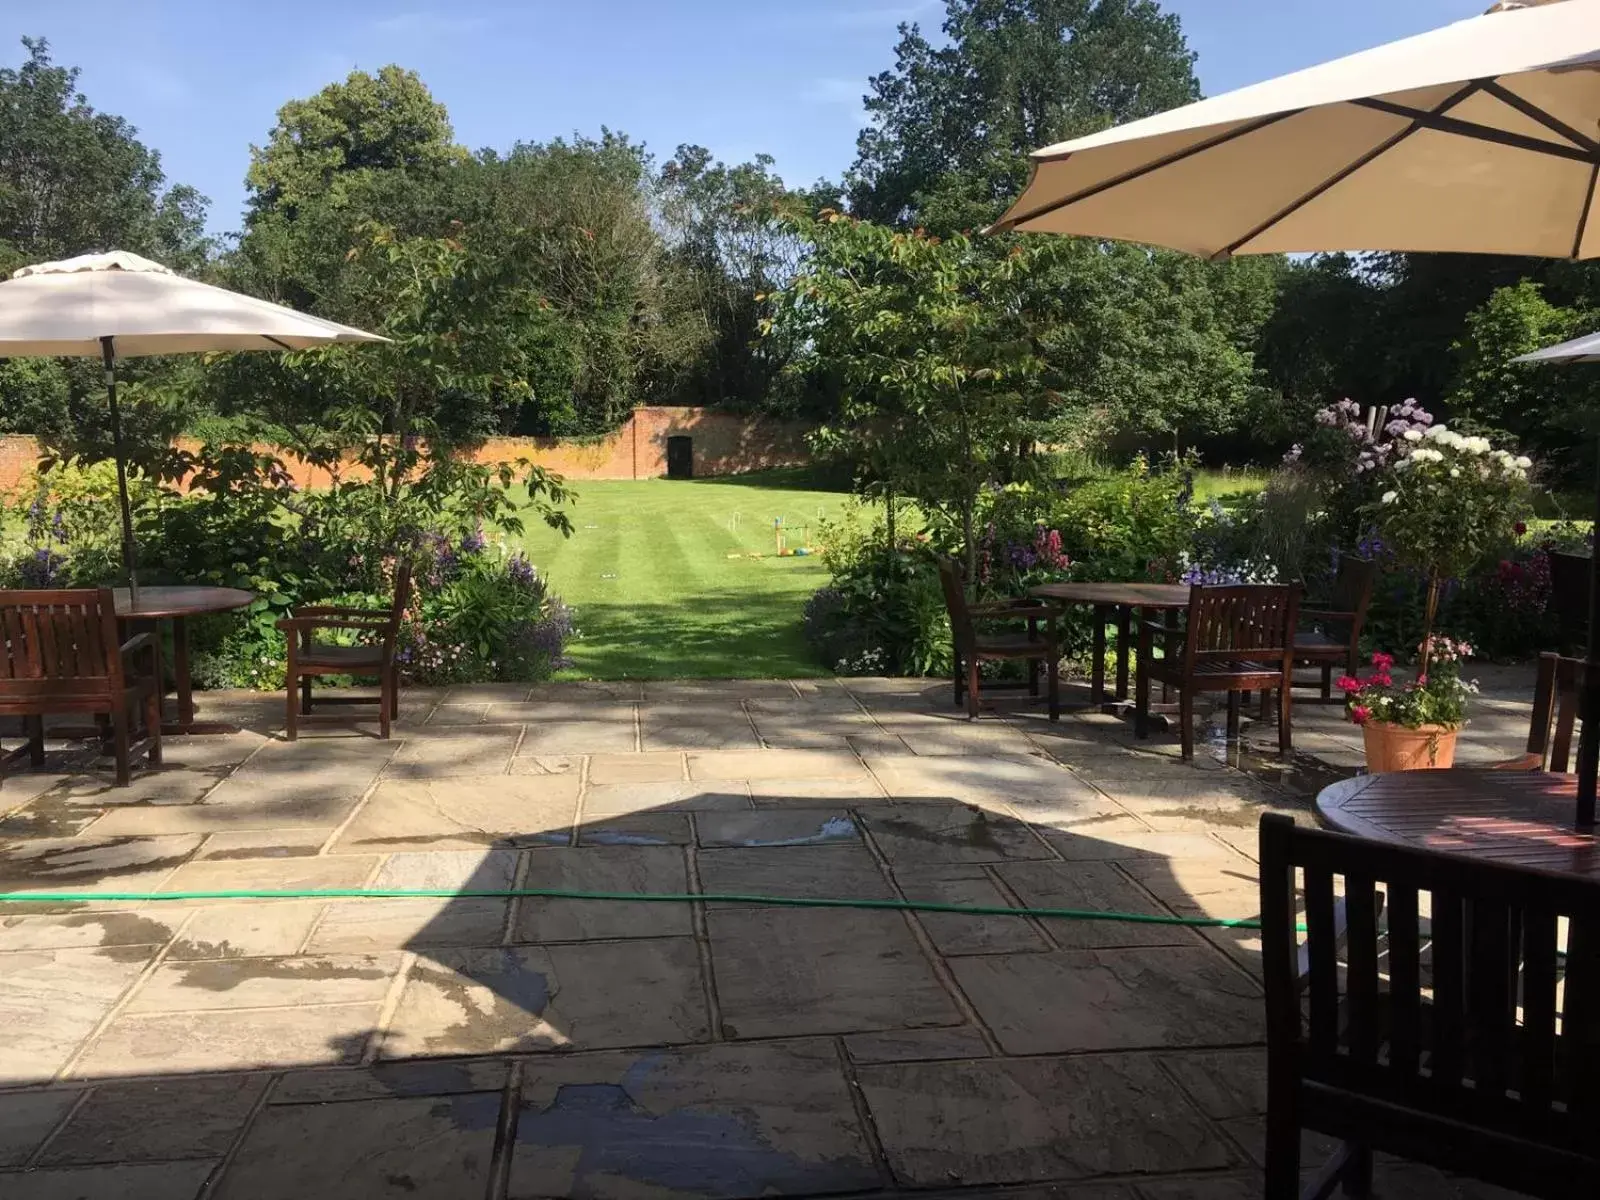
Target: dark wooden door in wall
x=680, y=458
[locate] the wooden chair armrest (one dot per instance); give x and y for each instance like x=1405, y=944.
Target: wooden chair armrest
x=1326, y=614
x=325, y=610
x=308, y=624
x=1010, y=608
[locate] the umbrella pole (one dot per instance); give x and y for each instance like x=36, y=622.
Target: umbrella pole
x=1589, y=738
x=108, y=355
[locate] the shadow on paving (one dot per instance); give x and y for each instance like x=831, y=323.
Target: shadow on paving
x=464, y=1047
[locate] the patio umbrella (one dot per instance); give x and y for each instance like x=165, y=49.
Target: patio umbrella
x=1479, y=137
x=118, y=304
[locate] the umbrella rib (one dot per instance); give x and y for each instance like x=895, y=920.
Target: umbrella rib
x=1140, y=171
x=1347, y=170
x=1481, y=133
x=1588, y=205
x=276, y=342
x=1533, y=112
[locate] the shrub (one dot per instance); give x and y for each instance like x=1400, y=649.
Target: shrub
x=1134, y=524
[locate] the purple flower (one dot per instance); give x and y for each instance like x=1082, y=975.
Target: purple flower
x=520, y=569
x=474, y=541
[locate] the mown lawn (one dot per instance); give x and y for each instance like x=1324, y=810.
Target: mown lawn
x=657, y=595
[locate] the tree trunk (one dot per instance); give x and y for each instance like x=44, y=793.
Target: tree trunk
x=888, y=500
x=1429, y=612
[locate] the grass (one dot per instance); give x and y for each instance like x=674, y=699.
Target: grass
x=657, y=572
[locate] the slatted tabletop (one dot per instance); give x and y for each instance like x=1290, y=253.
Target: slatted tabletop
x=1521, y=818
x=1116, y=595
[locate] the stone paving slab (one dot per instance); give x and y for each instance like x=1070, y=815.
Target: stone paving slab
x=1026, y=1120
x=807, y=971
x=197, y=986
x=1095, y=886
x=784, y=827
x=50, y=1000
x=968, y=885
x=76, y=930
x=613, y=1127
x=520, y=998
x=456, y=814
x=263, y=843
x=923, y=834
x=170, y=1043
x=1075, y=1000
x=623, y=799
x=840, y=871
x=430, y=1148
x=235, y=931
x=366, y=926
x=122, y=1181
x=710, y=725
x=657, y=870
x=26, y=1119
x=92, y=864
x=156, y=1120
x=599, y=734
x=639, y=829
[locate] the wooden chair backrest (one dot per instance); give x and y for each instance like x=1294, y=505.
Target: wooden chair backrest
x=962, y=631
x=1557, y=696
x=1241, y=622
x=59, y=642
x=1569, y=591
x=1352, y=590
x=1431, y=1031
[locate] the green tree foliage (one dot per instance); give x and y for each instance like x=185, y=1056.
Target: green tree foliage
x=1545, y=409
x=383, y=122
x=952, y=124
x=74, y=179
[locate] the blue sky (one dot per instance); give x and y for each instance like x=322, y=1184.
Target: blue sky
x=202, y=79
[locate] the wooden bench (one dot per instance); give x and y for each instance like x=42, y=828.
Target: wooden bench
x=1456, y=1032
x=62, y=654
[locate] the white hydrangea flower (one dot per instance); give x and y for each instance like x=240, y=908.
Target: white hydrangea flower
x=1438, y=433
x=1476, y=445
x=1455, y=472
x=1523, y=462
x=1413, y=435
x=1390, y=497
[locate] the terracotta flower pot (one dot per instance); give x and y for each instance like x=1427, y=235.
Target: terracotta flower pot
x=1397, y=748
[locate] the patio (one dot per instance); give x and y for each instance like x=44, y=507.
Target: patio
x=466, y=1047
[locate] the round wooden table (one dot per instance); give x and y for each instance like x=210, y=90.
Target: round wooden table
x=178, y=604
x=1119, y=599
x=1520, y=818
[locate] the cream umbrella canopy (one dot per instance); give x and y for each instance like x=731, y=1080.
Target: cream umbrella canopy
x=119, y=304
x=1480, y=136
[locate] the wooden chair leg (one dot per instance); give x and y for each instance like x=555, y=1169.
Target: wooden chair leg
x=291, y=729
x=1283, y=1153
x=1327, y=682
x=1033, y=677
x=1141, y=703
x=394, y=693
x=1234, y=699
x=120, y=743
x=1186, y=722
x=385, y=708
x=972, y=689
x=959, y=671
x=1357, y=1179
x=305, y=694
x=1285, y=708
x=1052, y=673
x=1266, y=705
x=152, y=721
x=34, y=726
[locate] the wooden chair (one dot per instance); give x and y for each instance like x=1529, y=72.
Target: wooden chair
x=1238, y=638
x=1347, y=614
x=1569, y=596
x=62, y=654
x=1557, y=698
x=1035, y=646
x=1464, y=1040
x=309, y=658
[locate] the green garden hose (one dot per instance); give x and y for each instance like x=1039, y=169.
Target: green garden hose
x=923, y=906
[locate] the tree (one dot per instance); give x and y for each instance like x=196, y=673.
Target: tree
x=1547, y=409
x=952, y=125
x=383, y=122
x=74, y=180
x=938, y=354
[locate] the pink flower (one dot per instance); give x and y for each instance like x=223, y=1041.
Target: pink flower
x=1361, y=714
x=1384, y=662
x=1422, y=681
x=1350, y=684
x=1384, y=680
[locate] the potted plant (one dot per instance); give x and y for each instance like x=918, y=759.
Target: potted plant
x=1412, y=726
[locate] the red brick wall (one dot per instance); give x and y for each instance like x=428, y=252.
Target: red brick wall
x=724, y=444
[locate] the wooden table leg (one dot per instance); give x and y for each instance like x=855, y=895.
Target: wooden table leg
x=1097, y=664
x=186, y=724
x=1124, y=632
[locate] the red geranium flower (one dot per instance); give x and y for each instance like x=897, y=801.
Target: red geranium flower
x=1383, y=662
x=1361, y=714
x=1521, y=527
x=1349, y=683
